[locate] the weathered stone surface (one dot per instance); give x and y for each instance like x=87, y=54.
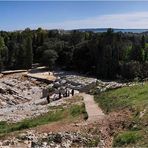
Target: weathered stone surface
x=19, y=97
x=60, y=139
x=22, y=97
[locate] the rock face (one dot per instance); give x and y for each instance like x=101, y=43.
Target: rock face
x=76, y=82
x=18, y=98
x=80, y=83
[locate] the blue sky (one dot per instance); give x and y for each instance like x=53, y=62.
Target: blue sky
x=72, y=15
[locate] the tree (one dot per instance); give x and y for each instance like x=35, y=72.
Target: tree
x=1, y=63
x=143, y=42
x=29, y=53
x=76, y=37
x=49, y=58
x=3, y=53
x=131, y=70
x=65, y=54
x=82, y=58
x=21, y=57
x=12, y=47
x=137, y=53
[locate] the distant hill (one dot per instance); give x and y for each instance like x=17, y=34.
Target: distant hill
x=115, y=30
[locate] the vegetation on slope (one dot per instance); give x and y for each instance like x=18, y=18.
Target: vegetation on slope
x=57, y=114
x=134, y=99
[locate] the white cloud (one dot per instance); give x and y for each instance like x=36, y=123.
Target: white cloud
x=137, y=20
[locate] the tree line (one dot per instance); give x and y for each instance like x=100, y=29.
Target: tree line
x=106, y=55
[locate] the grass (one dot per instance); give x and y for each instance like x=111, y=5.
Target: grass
x=126, y=138
x=135, y=99
x=51, y=116
x=76, y=110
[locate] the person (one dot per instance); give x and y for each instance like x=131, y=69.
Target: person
x=60, y=95
x=72, y=92
x=66, y=92
x=48, y=99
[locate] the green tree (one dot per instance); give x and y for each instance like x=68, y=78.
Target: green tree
x=21, y=57
x=3, y=53
x=29, y=53
x=1, y=63
x=137, y=53
x=143, y=42
x=49, y=58
x=82, y=57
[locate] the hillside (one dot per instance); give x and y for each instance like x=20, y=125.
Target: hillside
x=132, y=101
x=28, y=119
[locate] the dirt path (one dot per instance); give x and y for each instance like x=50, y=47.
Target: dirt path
x=96, y=116
x=94, y=112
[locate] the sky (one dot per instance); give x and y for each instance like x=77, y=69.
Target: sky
x=18, y=15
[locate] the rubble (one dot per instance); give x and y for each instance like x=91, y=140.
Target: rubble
x=18, y=98
x=60, y=139
x=14, y=90
x=1, y=75
x=104, y=86
x=21, y=98
x=73, y=82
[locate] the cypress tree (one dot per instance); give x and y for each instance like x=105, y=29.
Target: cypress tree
x=29, y=53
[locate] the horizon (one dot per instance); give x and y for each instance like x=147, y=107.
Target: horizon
x=70, y=15
x=76, y=29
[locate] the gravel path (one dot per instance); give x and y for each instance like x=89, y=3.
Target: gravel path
x=94, y=112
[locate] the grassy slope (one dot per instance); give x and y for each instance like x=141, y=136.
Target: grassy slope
x=136, y=100
x=57, y=114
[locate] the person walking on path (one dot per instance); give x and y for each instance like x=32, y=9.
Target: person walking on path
x=72, y=92
x=48, y=99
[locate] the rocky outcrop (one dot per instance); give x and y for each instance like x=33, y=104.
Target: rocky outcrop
x=14, y=90
x=19, y=98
